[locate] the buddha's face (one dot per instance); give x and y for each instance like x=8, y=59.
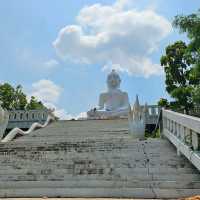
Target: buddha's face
x=113, y=80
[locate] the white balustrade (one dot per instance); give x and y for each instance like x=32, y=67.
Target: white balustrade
x=23, y=118
x=152, y=114
x=20, y=115
x=17, y=131
x=184, y=132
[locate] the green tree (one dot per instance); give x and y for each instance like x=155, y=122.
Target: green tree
x=196, y=95
x=15, y=99
x=20, y=100
x=190, y=24
x=7, y=95
x=177, y=66
x=12, y=98
x=182, y=64
x=35, y=105
x=163, y=102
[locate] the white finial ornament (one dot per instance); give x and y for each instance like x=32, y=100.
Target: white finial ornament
x=136, y=121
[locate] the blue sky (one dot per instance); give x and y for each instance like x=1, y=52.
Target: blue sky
x=69, y=75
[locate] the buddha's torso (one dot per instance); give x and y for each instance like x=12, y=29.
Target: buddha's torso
x=113, y=101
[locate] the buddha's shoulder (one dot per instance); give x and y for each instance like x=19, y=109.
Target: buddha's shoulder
x=122, y=93
x=125, y=93
x=104, y=94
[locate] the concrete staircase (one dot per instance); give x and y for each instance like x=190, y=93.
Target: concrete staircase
x=93, y=159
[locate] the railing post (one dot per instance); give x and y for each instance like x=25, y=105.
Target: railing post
x=162, y=123
x=178, y=152
x=153, y=111
x=179, y=131
x=168, y=124
x=174, y=128
x=188, y=138
x=195, y=141
x=182, y=135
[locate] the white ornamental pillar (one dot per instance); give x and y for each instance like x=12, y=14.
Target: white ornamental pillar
x=4, y=117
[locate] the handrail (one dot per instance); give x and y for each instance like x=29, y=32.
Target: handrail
x=24, y=118
x=27, y=115
x=17, y=131
x=188, y=121
x=183, y=131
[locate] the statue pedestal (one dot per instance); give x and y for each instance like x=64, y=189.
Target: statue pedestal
x=94, y=114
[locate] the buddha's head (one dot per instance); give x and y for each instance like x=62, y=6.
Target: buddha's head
x=113, y=80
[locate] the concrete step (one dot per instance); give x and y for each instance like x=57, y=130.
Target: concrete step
x=127, y=140
x=141, y=193
x=44, y=176
x=94, y=159
x=99, y=184
x=113, y=155
x=98, y=171
x=137, y=167
x=88, y=144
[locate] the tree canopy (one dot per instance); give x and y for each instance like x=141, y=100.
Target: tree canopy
x=34, y=104
x=182, y=64
x=15, y=99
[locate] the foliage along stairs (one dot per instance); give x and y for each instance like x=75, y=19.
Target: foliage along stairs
x=96, y=158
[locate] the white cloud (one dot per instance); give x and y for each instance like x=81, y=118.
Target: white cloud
x=59, y=112
x=62, y=114
x=49, y=93
x=117, y=33
x=121, y=4
x=51, y=64
x=46, y=91
x=28, y=58
x=82, y=115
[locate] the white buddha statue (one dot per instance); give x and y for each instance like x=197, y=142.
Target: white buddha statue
x=112, y=104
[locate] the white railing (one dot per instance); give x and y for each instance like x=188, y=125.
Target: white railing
x=152, y=114
x=183, y=131
x=21, y=115
x=17, y=131
x=23, y=119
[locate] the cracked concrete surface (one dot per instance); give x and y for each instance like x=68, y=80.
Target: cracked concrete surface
x=96, y=158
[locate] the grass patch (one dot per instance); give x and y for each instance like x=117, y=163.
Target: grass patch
x=155, y=134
